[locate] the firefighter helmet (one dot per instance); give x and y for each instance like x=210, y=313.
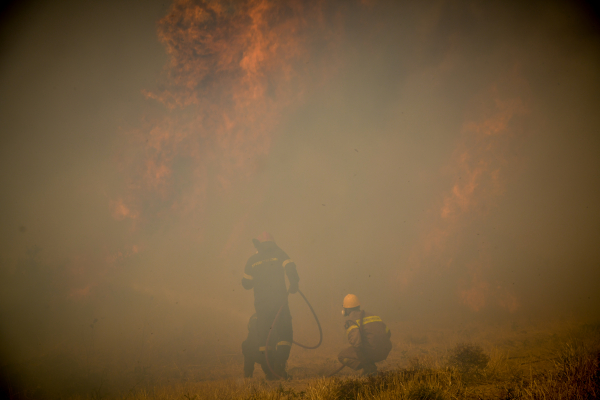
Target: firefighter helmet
x=351, y=301
x=265, y=237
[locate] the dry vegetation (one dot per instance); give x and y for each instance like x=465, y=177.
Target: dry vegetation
x=527, y=365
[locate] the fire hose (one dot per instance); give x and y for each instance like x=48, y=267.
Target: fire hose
x=296, y=343
x=299, y=344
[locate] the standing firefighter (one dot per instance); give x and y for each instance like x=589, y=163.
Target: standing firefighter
x=265, y=272
x=369, y=338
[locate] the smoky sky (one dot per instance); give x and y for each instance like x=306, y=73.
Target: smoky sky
x=434, y=158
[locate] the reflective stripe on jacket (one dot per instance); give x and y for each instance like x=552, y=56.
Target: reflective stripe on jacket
x=265, y=273
x=369, y=333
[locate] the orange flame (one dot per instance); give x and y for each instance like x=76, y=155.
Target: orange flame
x=480, y=157
x=477, y=169
x=120, y=211
x=234, y=69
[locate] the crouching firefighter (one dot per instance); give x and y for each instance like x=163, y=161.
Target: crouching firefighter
x=265, y=273
x=369, y=338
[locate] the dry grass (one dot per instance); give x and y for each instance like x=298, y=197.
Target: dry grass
x=574, y=376
x=537, y=365
x=570, y=371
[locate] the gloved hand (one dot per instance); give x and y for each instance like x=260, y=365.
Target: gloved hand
x=293, y=288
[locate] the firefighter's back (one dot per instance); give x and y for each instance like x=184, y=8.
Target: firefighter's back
x=268, y=276
x=375, y=334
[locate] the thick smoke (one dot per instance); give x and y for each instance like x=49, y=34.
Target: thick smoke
x=440, y=160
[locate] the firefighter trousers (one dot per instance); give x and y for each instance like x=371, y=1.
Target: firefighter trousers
x=280, y=340
x=252, y=356
x=359, y=358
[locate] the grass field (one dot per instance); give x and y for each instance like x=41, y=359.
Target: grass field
x=505, y=361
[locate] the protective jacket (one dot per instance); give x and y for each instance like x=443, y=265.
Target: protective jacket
x=265, y=272
x=368, y=333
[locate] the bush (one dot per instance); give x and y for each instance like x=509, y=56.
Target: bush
x=468, y=358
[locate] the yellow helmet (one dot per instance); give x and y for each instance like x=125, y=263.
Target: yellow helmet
x=351, y=301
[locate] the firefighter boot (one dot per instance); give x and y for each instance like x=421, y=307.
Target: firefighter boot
x=248, y=367
x=283, y=353
x=263, y=364
x=272, y=367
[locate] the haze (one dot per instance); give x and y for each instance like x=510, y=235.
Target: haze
x=438, y=159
